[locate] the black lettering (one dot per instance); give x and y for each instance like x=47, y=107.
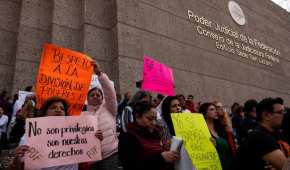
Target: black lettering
x=52, y=143
x=57, y=69
x=51, y=131
x=33, y=154
x=72, y=71
x=57, y=56
x=33, y=129
x=43, y=79
x=93, y=151
x=57, y=154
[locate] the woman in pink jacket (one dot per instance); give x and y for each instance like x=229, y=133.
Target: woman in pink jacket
x=102, y=103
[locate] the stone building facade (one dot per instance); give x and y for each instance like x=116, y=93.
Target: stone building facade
x=221, y=60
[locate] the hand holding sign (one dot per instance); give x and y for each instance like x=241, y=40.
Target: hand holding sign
x=170, y=156
x=21, y=150
x=97, y=68
x=99, y=135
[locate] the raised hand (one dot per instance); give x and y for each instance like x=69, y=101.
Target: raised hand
x=21, y=150
x=99, y=135
x=97, y=68
x=170, y=156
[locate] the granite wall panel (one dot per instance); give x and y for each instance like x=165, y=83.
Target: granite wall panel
x=34, y=30
x=118, y=33
x=9, y=23
x=161, y=29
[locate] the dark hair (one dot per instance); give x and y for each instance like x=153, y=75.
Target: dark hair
x=49, y=102
x=160, y=96
x=126, y=94
x=286, y=125
x=28, y=88
x=3, y=93
x=203, y=108
x=138, y=96
x=239, y=110
x=233, y=107
x=218, y=126
x=190, y=96
x=139, y=84
x=15, y=97
x=165, y=108
x=95, y=88
x=266, y=105
x=141, y=108
x=249, y=105
x=180, y=96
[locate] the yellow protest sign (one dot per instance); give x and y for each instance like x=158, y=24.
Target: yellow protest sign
x=191, y=127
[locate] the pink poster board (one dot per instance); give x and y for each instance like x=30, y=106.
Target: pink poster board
x=157, y=77
x=61, y=140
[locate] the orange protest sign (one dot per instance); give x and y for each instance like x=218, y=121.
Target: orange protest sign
x=66, y=74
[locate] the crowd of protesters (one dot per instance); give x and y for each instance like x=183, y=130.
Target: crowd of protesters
x=136, y=133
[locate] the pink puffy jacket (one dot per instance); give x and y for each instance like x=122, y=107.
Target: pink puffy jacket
x=106, y=114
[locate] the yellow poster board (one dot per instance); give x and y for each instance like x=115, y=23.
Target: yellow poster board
x=192, y=128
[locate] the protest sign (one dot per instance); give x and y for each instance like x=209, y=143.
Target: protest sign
x=191, y=127
x=157, y=77
x=66, y=74
x=176, y=144
x=20, y=101
x=184, y=161
x=22, y=96
x=68, y=140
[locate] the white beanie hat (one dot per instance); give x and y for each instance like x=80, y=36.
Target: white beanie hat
x=95, y=82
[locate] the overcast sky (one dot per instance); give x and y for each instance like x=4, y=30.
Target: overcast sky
x=283, y=3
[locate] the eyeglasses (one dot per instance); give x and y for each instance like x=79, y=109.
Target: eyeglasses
x=281, y=112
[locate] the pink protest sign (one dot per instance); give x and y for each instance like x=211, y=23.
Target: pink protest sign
x=157, y=77
x=61, y=140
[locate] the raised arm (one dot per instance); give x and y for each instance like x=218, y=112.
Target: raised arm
x=109, y=93
x=108, y=89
